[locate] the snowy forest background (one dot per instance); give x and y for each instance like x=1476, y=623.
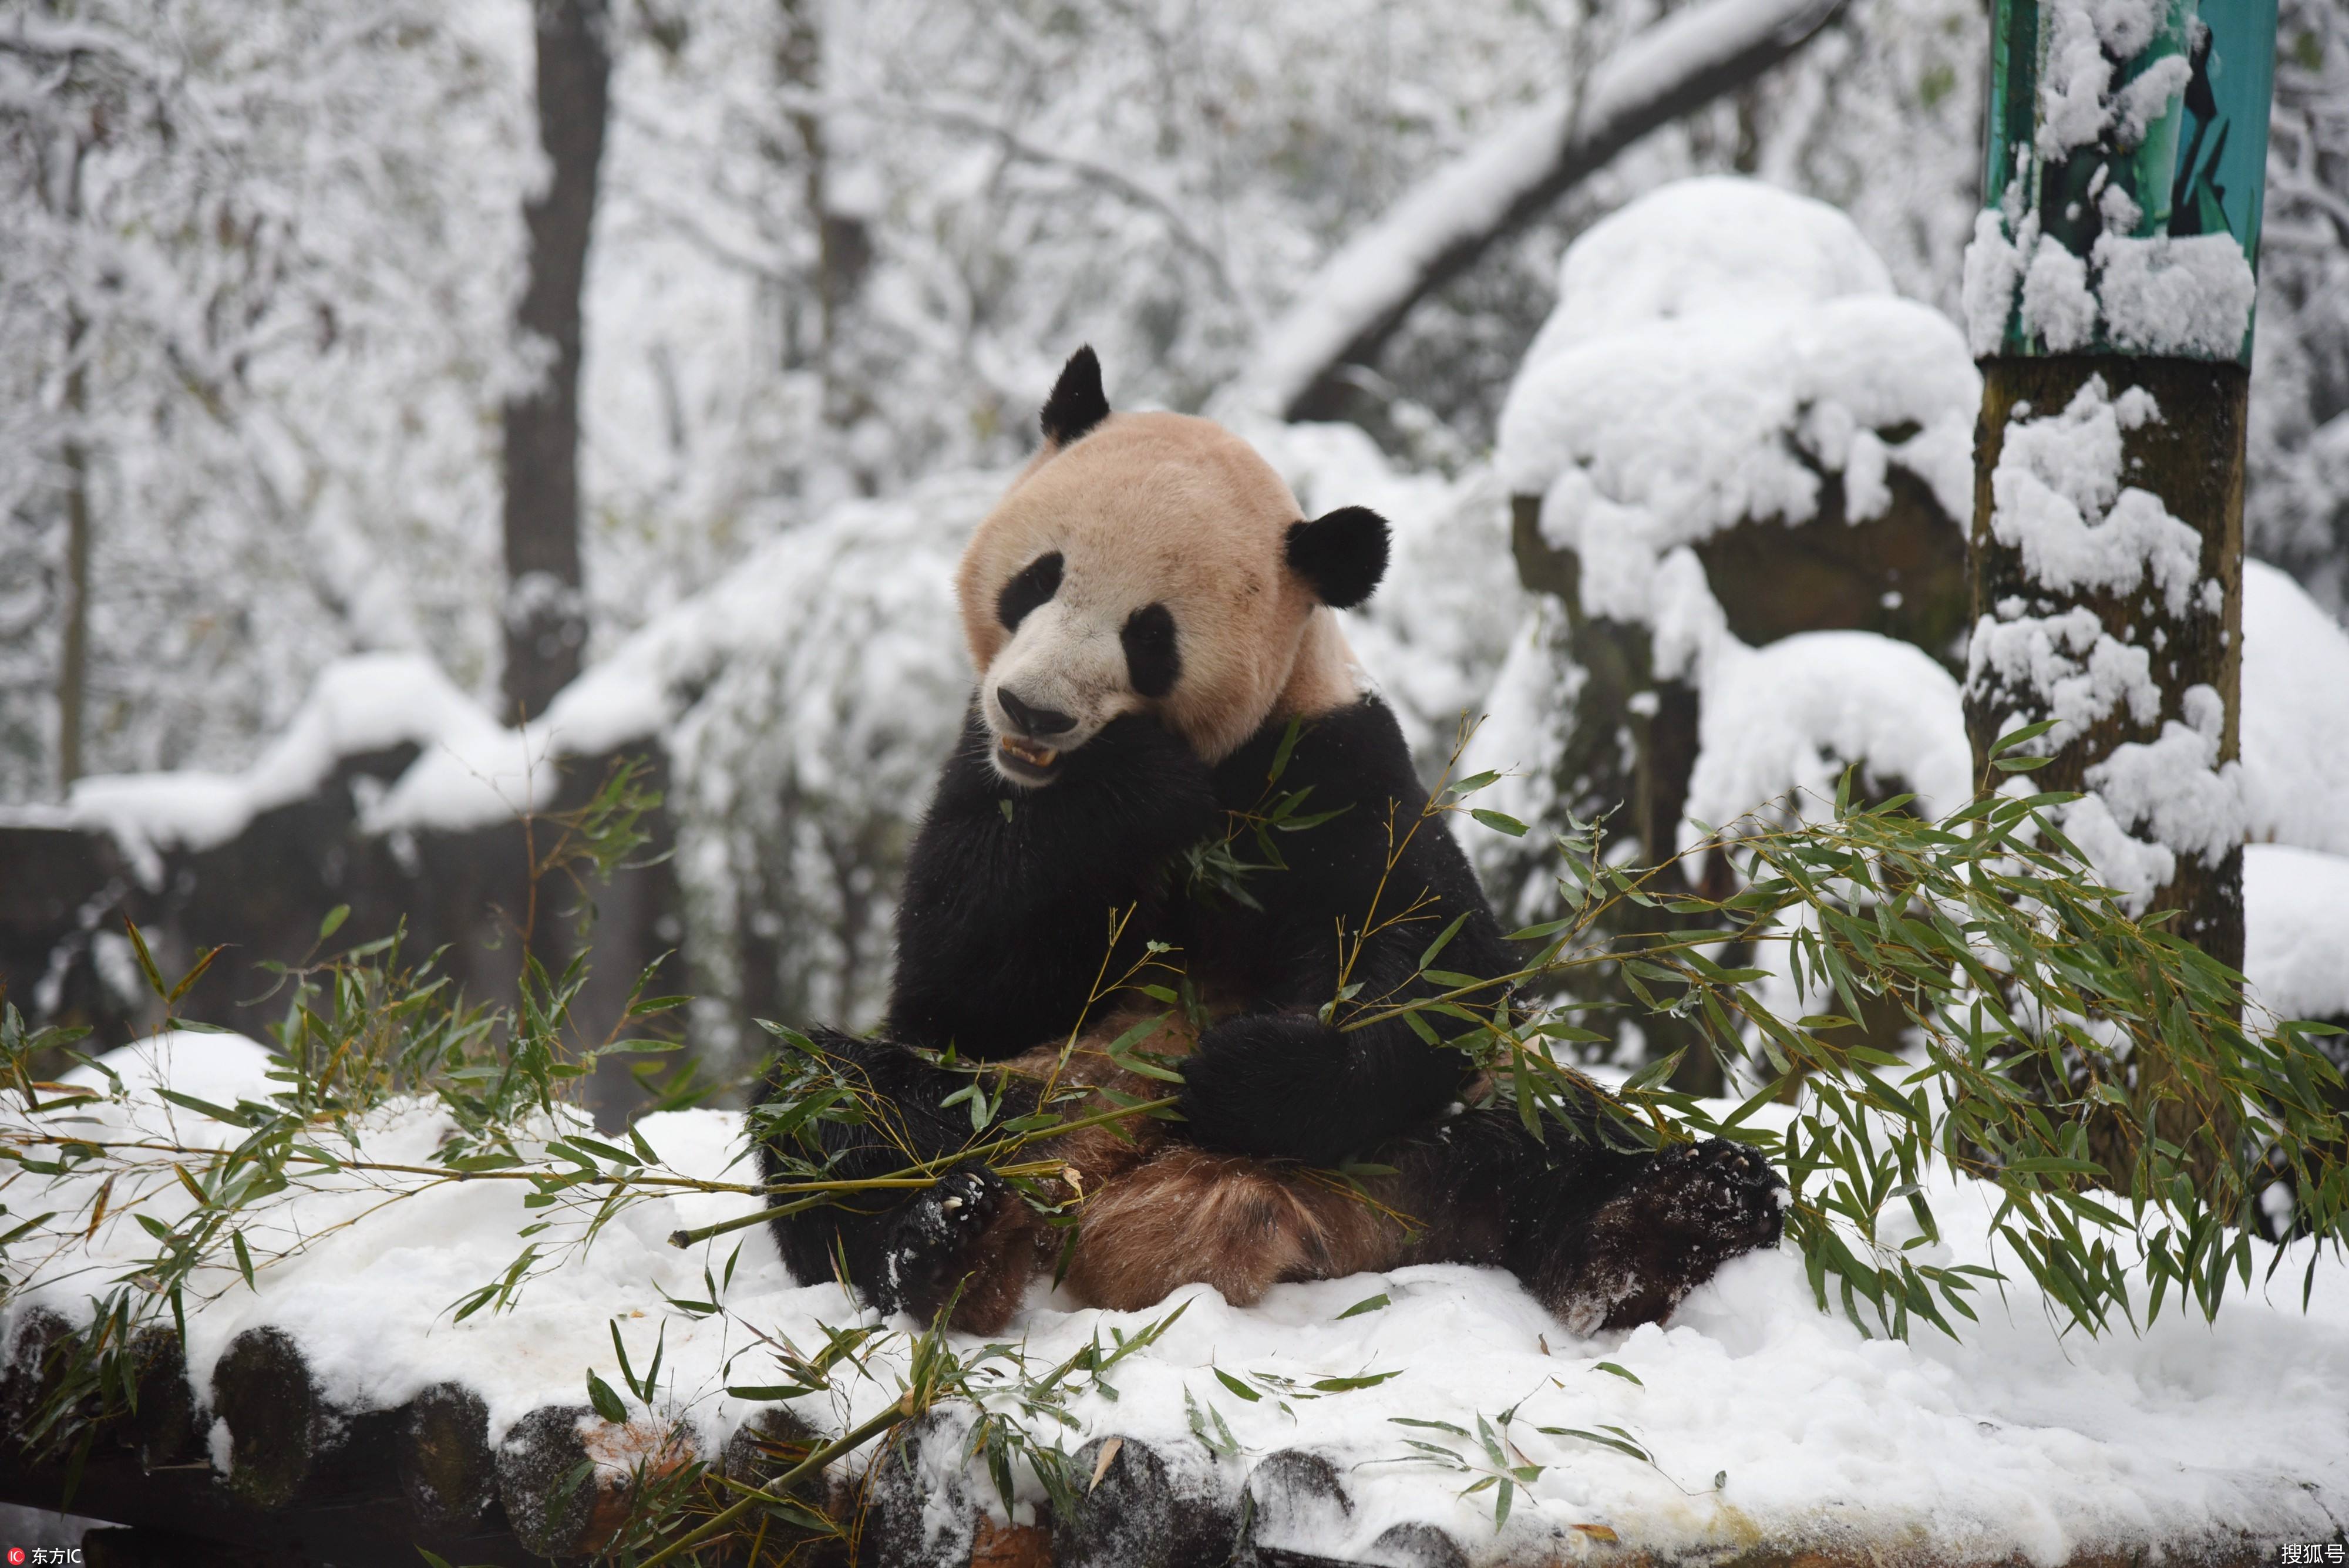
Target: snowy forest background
x=262, y=261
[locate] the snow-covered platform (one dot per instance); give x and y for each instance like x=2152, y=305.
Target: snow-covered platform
x=1347, y=1420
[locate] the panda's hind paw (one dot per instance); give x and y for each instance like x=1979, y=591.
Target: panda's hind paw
x=930, y=1245
x=1721, y=1194
x=1687, y=1210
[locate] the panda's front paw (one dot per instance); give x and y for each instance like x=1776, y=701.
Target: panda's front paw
x=1151, y=778
x=1270, y=1084
x=931, y=1243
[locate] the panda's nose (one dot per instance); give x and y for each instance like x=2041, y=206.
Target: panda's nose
x=1032, y=721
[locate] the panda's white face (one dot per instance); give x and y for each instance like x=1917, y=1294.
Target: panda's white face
x=1145, y=568
x=1080, y=652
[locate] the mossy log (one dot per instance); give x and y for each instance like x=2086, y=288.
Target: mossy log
x=448, y=1472
x=278, y=1422
x=568, y=1478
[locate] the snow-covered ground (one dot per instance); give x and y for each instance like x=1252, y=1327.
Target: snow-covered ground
x=1763, y=1418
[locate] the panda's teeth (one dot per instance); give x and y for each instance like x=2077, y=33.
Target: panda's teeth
x=1035, y=756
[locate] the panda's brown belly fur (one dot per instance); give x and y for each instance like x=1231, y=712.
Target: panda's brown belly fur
x=1154, y=1214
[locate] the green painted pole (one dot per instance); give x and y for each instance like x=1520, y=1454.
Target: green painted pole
x=2109, y=293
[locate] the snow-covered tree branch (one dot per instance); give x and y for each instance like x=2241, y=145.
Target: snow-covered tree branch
x=1346, y=312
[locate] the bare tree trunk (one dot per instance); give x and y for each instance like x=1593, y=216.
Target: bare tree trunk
x=73, y=674
x=844, y=248
x=73, y=668
x=545, y=610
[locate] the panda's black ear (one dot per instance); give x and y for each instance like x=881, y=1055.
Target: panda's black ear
x=1343, y=553
x=1077, y=403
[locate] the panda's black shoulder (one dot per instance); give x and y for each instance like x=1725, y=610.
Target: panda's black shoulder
x=1370, y=848
x=1349, y=753
x=1353, y=761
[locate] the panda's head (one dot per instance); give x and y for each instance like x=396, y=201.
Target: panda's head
x=1154, y=562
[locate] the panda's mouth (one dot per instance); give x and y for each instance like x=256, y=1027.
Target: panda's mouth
x=1025, y=762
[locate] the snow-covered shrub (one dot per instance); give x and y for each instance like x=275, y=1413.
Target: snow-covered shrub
x=1739, y=461
x=805, y=760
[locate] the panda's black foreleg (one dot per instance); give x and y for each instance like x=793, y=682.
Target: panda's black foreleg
x=1003, y=925
x=902, y=1250
x=1285, y=1085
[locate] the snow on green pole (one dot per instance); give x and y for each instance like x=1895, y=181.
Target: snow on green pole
x=2108, y=295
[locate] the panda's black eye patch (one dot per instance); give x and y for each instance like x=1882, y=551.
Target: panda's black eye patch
x=1036, y=584
x=1152, y=660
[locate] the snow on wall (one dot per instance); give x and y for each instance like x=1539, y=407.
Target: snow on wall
x=367, y=702
x=2012, y=1443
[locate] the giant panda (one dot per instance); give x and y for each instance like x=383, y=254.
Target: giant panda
x=1154, y=625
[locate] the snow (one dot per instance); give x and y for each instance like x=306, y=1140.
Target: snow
x=2296, y=930
x=1710, y=339
x=2057, y=498
x=1993, y=266
x=2079, y=671
x=1664, y=433
x=1718, y=346
x=2157, y=295
x=863, y=591
x=2295, y=719
x=2189, y=294
x=1700, y=245
x=2077, y=102
x=1793, y=715
x=2056, y=300
x=2014, y=1442
x=2176, y=791
x=367, y=702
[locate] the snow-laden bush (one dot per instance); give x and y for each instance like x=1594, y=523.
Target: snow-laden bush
x=1723, y=354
